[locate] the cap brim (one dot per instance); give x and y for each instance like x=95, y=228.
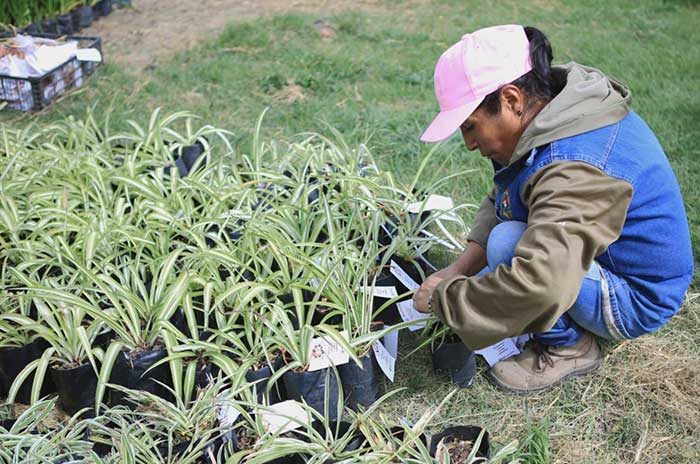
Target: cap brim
x=447, y=122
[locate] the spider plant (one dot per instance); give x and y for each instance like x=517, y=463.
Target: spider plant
x=181, y=430
x=71, y=338
x=29, y=440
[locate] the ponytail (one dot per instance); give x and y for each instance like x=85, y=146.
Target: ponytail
x=538, y=84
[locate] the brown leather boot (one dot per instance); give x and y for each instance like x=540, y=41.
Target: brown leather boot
x=540, y=366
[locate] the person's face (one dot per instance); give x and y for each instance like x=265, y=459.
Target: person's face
x=494, y=135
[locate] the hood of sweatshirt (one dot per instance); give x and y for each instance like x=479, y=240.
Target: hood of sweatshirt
x=589, y=100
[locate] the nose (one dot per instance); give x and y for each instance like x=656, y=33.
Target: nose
x=469, y=140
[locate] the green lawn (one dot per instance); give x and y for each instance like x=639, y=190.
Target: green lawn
x=373, y=82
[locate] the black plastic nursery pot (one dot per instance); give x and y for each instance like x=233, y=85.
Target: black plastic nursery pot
x=467, y=435
x=361, y=384
x=205, y=372
x=7, y=423
x=311, y=387
x=457, y=360
x=102, y=8
x=82, y=17
x=261, y=377
x=130, y=371
x=13, y=360
x=338, y=430
x=65, y=24
x=399, y=433
x=49, y=26
x=388, y=229
x=76, y=388
x=30, y=29
x=185, y=158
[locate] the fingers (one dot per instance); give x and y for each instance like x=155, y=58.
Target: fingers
x=422, y=295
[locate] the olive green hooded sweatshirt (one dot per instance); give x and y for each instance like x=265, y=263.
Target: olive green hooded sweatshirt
x=575, y=212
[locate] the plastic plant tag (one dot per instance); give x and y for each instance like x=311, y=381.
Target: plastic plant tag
x=404, y=278
x=325, y=353
x=500, y=351
x=438, y=240
x=284, y=417
x=89, y=54
x=382, y=292
x=227, y=415
x=433, y=202
x=386, y=361
x=408, y=313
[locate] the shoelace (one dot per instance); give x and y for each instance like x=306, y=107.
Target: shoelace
x=544, y=357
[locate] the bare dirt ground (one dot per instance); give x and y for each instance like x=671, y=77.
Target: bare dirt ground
x=153, y=30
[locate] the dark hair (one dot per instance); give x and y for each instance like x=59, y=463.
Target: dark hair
x=538, y=84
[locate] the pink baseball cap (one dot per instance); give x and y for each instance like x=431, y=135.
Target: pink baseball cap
x=471, y=69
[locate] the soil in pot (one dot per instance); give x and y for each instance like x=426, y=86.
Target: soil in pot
x=457, y=360
x=13, y=360
x=261, y=374
x=76, y=388
x=311, y=387
x=458, y=442
x=243, y=439
x=130, y=371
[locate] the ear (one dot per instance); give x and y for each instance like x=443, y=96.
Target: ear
x=513, y=99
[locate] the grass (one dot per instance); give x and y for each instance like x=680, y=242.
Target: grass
x=373, y=82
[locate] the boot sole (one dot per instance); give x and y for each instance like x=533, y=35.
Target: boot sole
x=521, y=391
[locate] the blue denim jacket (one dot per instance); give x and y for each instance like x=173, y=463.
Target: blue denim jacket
x=649, y=268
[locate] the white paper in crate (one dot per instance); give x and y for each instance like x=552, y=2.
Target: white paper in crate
x=325, y=352
x=40, y=56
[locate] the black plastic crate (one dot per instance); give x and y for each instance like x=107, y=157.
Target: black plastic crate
x=36, y=93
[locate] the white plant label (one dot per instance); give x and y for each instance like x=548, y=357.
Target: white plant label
x=391, y=342
x=433, y=202
x=500, y=351
x=88, y=54
x=284, y=417
x=448, y=216
x=438, y=240
x=408, y=313
x=382, y=292
x=227, y=415
x=403, y=277
x=325, y=353
x=386, y=361
x=521, y=340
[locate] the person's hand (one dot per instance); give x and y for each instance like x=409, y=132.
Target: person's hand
x=422, y=295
